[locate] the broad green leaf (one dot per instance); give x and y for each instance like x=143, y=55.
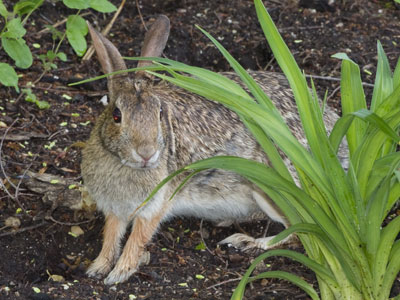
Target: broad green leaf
x=24, y=7
x=8, y=76
x=76, y=32
x=3, y=9
x=77, y=4
x=14, y=29
x=18, y=51
x=103, y=6
x=77, y=23
x=62, y=56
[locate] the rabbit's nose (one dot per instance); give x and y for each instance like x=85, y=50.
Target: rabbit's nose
x=146, y=153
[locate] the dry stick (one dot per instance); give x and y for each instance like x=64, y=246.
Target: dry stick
x=22, y=177
x=23, y=229
x=59, y=23
x=333, y=93
x=205, y=245
x=334, y=79
x=202, y=238
x=105, y=31
x=51, y=218
x=223, y=282
x=140, y=15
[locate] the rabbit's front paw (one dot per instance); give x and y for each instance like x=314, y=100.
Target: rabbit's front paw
x=99, y=267
x=124, y=269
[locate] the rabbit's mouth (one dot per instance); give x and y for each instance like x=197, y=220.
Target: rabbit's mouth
x=141, y=163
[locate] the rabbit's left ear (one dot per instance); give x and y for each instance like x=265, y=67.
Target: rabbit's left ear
x=110, y=60
x=109, y=56
x=154, y=42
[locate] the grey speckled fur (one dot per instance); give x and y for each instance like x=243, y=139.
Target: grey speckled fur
x=159, y=129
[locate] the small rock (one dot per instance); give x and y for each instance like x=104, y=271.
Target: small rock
x=264, y=282
x=13, y=222
x=77, y=231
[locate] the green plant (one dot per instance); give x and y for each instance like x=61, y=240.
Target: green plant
x=76, y=26
x=14, y=45
x=12, y=39
x=339, y=215
x=31, y=97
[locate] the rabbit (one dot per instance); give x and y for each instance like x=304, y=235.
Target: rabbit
x=149, y=130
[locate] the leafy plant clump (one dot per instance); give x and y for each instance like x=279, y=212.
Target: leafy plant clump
x=12, y=39
x=13, y=32
x=338, y=214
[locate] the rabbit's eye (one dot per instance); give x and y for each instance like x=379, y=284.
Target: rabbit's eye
x=161, y=112
x=117, y=115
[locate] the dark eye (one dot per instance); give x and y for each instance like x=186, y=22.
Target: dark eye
x=117, y=115
x=161, y=112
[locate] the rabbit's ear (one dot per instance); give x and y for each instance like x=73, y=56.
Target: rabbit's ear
x=108, y=55
x=154, y=41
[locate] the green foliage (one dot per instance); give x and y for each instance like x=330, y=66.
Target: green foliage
x=49, y=58
x=76, y=32
x=76, y=25
x=12, y=38
x=31, y=97
x=8, y=76
x=13, y=32
x=338, y=214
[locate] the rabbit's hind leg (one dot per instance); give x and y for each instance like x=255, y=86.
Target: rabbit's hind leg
x=113, y=232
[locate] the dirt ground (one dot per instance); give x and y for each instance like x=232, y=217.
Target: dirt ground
x=50, y=141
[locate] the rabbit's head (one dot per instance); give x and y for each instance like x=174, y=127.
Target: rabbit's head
x=130, y=127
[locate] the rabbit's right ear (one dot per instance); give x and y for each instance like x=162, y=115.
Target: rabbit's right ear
x=108, y=55
x=154, y=43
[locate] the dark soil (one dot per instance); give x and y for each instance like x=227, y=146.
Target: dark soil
x=42, y=246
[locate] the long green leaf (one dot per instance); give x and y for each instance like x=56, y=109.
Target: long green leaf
x=380, y=264
x=352, y=99
x=383, y=86
x=296, y=280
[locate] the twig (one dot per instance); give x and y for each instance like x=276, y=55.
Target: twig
x=202, y=238
x=205, y=245
x=105, y=31
x=23, y=229
x=140, y=15
x=333, y=93
x=223, y=282
x=22, y=177
x=59, y=23
x=51, y=218
x=334, y=79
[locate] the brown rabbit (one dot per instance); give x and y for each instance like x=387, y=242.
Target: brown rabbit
x=148, y=131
